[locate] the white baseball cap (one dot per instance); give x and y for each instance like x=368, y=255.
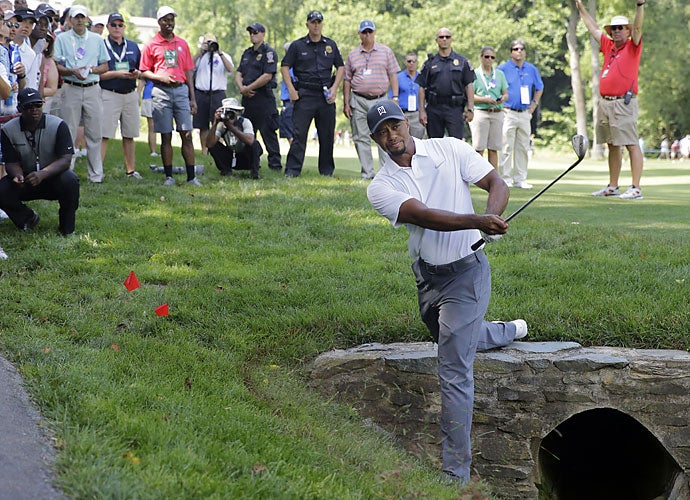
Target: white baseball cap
x=164, y=11
x=75, y=10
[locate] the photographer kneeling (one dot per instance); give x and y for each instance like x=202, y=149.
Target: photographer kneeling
x=239, y=149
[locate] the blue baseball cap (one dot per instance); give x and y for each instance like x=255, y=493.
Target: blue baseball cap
x=381, y=112
x=367, y=25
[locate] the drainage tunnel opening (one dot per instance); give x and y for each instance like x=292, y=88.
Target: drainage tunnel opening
x=604, y=454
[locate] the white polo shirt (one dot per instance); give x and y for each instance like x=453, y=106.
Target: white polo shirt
x=440, y=177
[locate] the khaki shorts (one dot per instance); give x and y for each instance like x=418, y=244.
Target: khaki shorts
x=147, y=108
x=487, y=130
x=617, y=122
x=122, y=109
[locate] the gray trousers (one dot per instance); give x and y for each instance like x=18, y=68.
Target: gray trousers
x=453, y=299
x=360, y=133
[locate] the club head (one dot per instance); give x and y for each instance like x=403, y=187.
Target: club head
x=580, y=145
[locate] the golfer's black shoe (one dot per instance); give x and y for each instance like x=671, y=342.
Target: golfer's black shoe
x=31, y=223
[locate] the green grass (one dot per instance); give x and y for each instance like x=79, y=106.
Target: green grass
x=260, y=277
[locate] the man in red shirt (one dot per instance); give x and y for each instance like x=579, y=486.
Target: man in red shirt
x=167, y=61
x=617, y=115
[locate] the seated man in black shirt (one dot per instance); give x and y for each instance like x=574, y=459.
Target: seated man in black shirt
x=239, y=150
x=37, y=149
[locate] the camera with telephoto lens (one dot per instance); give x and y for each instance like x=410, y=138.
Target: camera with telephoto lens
x=213, y=46
x=227, y=114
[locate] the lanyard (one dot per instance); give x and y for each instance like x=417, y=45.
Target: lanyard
x=493, y=79
x=121, y=56
x=79, y=51
x=35, y=143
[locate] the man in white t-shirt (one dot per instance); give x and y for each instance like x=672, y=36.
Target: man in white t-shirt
x=231, y=140
x=425, y=186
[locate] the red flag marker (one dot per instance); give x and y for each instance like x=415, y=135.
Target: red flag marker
x=132, y=282
x=162, y=310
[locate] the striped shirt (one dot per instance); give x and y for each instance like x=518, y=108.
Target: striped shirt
x=369, y=72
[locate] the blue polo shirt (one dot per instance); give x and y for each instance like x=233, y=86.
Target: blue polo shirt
x=126, y=53
x=407, y=86
x=517, y=77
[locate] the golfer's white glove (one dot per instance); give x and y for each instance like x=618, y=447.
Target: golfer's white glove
x=490, y=238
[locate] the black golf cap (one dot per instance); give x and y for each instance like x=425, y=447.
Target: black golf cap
x=28, y=96
x=381, y=112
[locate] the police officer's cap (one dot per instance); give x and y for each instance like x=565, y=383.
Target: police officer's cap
x=256, y=27
x=381, y=112
x=315, y=15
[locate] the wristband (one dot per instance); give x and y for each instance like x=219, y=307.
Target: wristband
x=470, y=110
x=640, y=4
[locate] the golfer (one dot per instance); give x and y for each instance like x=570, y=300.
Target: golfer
x=425, y=185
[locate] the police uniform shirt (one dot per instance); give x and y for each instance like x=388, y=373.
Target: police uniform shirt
x=255, y=63
x=446, y=76
x=313, y=62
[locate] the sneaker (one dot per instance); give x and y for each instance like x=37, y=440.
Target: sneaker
x=607, y=191
x=632, y=193
x=194, y=182
x=134, y=175
x=31, y=223
x=3, y=215
x=154, y=154
x=520, y=327
x=523, y=185
x=169, y=181
x=3, y=255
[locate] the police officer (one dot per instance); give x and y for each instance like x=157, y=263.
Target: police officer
x=256, y=79
x=312, y=59
x=445, y=88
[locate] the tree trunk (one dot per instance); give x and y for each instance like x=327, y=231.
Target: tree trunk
x=575, y=73
x=597, y=149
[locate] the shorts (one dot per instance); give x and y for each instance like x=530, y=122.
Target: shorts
x=487, y=130
x=206, y=106
x=171, y=104
x=122, y=108
x=147, y=108
x=617, y=122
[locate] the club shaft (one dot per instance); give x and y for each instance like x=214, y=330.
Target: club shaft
x=481, y=241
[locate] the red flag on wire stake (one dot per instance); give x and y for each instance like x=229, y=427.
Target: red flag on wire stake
x=132, y=282
x=162, y=310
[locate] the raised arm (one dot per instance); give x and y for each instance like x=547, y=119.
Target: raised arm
x=637, y=22
x=589, y=21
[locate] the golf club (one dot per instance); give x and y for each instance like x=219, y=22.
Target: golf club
x=580, y=145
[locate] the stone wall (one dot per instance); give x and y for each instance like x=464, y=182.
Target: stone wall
x=522, y=393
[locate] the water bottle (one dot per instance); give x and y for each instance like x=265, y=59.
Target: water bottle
x=326, y=92
x=14, y=56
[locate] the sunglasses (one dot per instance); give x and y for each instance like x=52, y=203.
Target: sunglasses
x=515, y=49
x=12, y=25
x=366, y=32
x=254, y=32
x=411, y=61
x=113, y=25
x=443, y=37
x=33, y=105
x=489, y=57
x=618, y=27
